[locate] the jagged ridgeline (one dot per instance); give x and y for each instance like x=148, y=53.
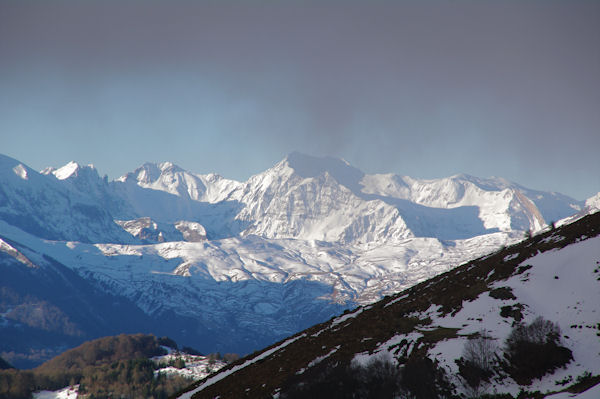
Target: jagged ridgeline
x=520, y=322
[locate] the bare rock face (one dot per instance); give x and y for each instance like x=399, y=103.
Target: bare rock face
x=192, y=232
x=143, y=228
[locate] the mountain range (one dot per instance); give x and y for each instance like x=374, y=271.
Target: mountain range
x=232, y=266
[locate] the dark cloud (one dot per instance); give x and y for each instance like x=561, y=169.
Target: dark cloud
x=421, y=88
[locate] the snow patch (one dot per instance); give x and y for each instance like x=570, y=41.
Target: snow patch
x=21, y=171
x=343, y=318
x=319, y=359
x=65, y=393
x=66, y=171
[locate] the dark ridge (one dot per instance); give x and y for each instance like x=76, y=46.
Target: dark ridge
x=104, y=351
x=4, y=365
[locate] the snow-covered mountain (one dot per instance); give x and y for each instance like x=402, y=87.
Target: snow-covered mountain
x=250, y=262
x=313, y=199
x=54, y=209
x=326, y=199
x=593, y=203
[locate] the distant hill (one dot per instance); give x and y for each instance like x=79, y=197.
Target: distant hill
x=102, y=351
x=128, y=366
x=520, y=322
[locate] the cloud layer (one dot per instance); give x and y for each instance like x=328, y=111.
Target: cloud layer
x=487, y=88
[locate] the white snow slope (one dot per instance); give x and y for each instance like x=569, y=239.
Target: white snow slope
x=562, y=286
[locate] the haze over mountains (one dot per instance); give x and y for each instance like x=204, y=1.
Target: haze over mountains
x=233, y=266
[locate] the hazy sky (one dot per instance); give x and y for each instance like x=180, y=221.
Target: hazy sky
x=420, y=88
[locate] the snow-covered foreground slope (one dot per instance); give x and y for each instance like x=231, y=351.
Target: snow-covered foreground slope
x=562, y=286
x=555, y=275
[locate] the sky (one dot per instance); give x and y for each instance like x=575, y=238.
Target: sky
x=426, y=89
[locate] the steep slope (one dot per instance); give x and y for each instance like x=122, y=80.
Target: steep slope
x=42, y=206
x=298, y=198
x=554, y=275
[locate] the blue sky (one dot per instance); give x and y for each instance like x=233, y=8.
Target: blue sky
x=426, y=89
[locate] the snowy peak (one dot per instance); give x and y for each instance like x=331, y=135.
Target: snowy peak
x=307, y=197
x=150, y=173
x=167, y=177
x=69, y=170
x=593, y=203
x=69, y=209
x=386, y=185
x=285, y=200
x=317, y=208
x=170, y=178
x=83, y=178
x=491, y=183
x=307, y=166
x=314, y=198
x=297, y=167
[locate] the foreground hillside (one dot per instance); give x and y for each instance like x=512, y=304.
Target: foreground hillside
x=521, y=322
